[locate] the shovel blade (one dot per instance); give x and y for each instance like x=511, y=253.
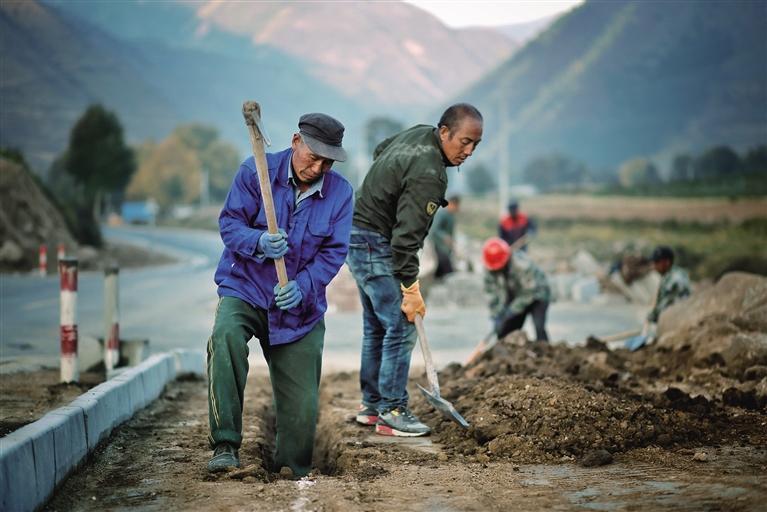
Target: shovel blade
x=443, y=406
x=635, y=342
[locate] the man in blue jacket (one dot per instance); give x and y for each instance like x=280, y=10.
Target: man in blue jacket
x=314, y=213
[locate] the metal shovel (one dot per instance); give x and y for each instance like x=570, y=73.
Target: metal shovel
x=439, y=403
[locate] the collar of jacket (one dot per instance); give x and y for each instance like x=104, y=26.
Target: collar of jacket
x=285, y=170
x=439, y=145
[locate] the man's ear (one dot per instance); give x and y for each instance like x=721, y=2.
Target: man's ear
x=444, y=132
x=296, y=141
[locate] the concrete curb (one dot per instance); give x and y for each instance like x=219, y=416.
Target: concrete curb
x=36, y=458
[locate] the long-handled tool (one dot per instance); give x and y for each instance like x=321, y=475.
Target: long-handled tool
x=251, y=111
x=433, y=397
x=484, y=345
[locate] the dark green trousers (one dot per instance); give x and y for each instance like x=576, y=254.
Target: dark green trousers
x=294, y=370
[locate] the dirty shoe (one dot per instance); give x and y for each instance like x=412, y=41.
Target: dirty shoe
x=224, y=457
x=400, y=422
x=366, y=415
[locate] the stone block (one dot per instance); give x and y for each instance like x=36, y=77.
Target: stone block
x=190, y=361
x=18, y=478
x=69, y=438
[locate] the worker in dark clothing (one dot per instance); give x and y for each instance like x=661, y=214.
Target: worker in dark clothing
x=443, y=237
x=515, y=225
x=393, y=212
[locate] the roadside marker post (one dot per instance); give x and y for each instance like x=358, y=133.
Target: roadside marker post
x=68, y=323
x=111, y=317
x=61, y=252
x=42, y=261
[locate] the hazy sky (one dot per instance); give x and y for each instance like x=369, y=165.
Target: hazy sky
x=482, y=12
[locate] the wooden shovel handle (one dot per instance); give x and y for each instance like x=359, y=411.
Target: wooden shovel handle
x=249, y=110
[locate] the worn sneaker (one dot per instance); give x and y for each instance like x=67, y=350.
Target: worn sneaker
x=224, y=457
x=400, y=422
x=366, y=415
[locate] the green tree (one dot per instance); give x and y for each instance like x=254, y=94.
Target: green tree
x=480, y=180
x=100, y=163
x=638, y=172
x=717, y=162
x=756, y=160
x=681, y=168
x=554, y=171
x=170, y=171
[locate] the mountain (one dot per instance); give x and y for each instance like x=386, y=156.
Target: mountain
x=52, y=68
x=613, y=80
x=523, y=32
x=158, y=64
x=386, y=52
x=379, y=54
x=55, y=63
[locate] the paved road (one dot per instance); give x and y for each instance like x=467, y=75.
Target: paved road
x=173, y=306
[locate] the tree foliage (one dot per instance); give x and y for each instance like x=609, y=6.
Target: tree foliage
x=98, y=157
x=638, y=172
x=554, y=171
x=480, y=180
x=717, y=161
x=379, y=128
x=170, y=171
x=94, y=169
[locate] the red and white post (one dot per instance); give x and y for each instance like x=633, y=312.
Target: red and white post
x=61, y=252
x=42, y=260
x=111, y=317
x=68, y=276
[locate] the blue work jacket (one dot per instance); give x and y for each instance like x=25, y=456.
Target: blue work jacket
x=318, y=240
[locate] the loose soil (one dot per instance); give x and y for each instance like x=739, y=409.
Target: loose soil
x=534, y=426
x=26, y=397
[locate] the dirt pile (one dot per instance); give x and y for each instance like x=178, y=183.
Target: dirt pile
x=536, y=402
x=27, y=220
x=724, y=326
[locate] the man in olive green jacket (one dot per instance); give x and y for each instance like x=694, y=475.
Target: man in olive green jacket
x=393, y=211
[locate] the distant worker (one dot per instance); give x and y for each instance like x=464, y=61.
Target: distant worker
x=517, y=287
x=443, y=236
x=393, y=212
x=515, y=225
x=674, y=284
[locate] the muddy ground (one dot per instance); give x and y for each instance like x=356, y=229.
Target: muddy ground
x=537, y=424
x=26, y=397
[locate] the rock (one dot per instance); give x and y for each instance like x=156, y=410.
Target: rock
x=254, y=471
x=249, y=480
x=10, y=253
x=286, y=473
x=700, y=457
x=757, y=372
x=596, y=458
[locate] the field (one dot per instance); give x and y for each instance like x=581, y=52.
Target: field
x=710, y=236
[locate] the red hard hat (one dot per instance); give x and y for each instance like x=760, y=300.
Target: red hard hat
x=495, y=253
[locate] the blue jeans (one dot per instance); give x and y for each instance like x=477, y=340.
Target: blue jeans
x=388, y=338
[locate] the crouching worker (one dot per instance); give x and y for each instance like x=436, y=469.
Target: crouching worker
x=517, y=287
x=313, y=204
x=674, y=284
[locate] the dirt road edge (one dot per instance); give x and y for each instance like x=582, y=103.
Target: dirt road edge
x=56, y=444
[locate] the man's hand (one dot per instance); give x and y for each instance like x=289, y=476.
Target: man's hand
x=273, y=245
x=287, y=297
x=412, y=302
